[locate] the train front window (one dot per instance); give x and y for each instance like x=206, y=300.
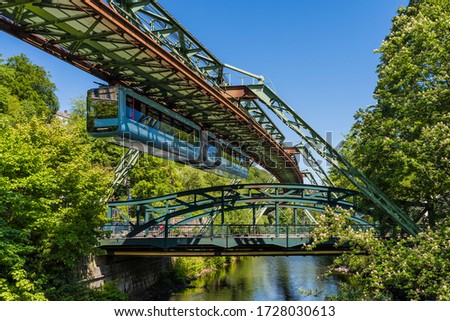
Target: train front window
x=102, y=106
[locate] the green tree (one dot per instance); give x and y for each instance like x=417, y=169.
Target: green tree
x=51, y=203
x=16, y=283
x=153, y=176
x=30, y=84
x=403, y=145
x=414, y=268
x=403, y=142
x=52, y=181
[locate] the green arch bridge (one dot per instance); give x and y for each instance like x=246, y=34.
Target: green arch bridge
x=195, y=222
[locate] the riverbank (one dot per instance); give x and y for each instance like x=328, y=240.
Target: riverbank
x=255, y=279
x=181, y=275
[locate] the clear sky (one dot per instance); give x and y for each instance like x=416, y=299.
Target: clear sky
x=317, y=54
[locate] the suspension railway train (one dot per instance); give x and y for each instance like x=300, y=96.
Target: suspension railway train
x=126, y=118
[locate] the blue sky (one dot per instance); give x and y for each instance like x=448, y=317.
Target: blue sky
x=317, y=54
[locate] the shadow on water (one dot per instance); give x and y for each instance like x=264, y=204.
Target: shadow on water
x=292, y=278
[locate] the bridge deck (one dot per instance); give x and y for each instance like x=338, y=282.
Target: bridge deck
x=224, y=240
x=250, y=245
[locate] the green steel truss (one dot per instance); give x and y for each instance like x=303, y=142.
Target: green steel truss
x=258, y=114
x=95, y=37
x=188, y=207
x=325, y=150
x=152, y=18
x=216, y=211
x=316, y=166
x=127, y=162
x=152, y=53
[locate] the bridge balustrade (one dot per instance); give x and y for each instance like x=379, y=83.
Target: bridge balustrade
x=120, y=230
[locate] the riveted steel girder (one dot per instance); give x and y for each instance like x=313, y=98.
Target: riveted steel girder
x=152, y=53
x=96, y=38
x=152, y=18
x=325, y=150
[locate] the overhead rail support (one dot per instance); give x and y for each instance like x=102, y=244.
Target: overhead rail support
x=152, y=18
x=325, y=150
x=125, y=51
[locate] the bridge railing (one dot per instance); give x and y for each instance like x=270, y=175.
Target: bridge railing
x=120, y=230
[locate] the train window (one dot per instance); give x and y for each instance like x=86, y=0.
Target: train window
x=102, y=103
x=135, y=109
x=235, y=157
x=102, y=109
x=129, y=101
x=100, y=106
x=139, y=106
x=139, y=111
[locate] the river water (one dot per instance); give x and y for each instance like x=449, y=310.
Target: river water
x=292, y=278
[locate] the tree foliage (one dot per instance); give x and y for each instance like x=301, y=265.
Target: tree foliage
x=413, y=268
x=50, y=190
x=30, y=84
x=51, y=199
x=403, y=142
x=403, y=145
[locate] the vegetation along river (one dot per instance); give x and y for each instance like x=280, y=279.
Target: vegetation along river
x=264, y=279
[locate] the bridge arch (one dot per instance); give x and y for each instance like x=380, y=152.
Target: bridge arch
x=178, y=209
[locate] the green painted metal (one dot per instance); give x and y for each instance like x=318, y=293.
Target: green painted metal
x=222, y=240
x=313, y=163
x=88, y=35
x=257, y=213
x=259, y=115
x=220, y=236
x=97, y=39
x=219, y=210
x=178, y=209
x=152, y=18
x=126, y=164
x=325, y=150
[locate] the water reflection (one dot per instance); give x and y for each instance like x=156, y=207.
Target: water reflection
x=265, y=279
